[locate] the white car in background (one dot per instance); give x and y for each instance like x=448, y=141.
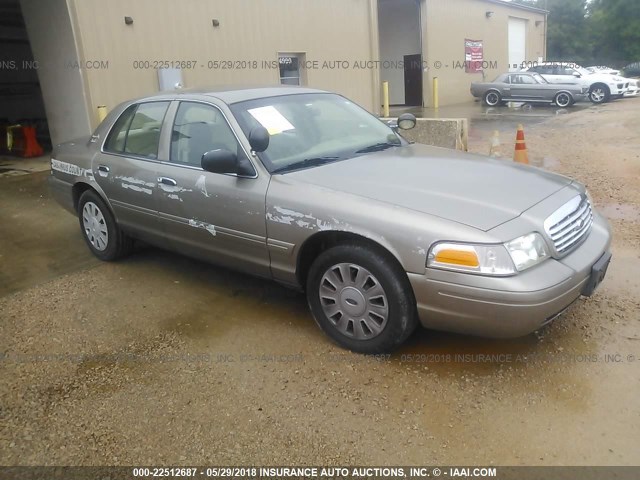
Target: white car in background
x=634, y=88
x=632, y=91
x=602, y=86
x=603, y=69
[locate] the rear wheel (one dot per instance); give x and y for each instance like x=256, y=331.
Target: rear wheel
x=563, y=100
x=361, y=298
x=99, y=229
x=492, y=98
x=599, y=93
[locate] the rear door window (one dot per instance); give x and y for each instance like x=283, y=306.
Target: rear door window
x=137, y=130
x=143, y=136
x=118, y=135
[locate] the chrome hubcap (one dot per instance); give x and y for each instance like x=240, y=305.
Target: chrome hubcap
x=354, y=301
x=95, y=227
x=597, y=95
x=492, y=99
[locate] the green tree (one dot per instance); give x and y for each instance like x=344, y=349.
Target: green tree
x=567, y=31
x=614, y=27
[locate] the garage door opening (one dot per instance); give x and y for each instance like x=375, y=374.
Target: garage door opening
x=517, y=43
x=24, y=131
x=401, y=50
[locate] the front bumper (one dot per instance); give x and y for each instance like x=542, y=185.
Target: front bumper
x=618, y=89
x=509, y=306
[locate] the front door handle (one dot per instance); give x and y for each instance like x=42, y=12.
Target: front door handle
x=168, y=181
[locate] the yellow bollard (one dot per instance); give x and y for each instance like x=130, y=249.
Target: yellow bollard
x=385, y=99
x=436, y=102
x=102, y=113
x=494, y=151
x=10, y=130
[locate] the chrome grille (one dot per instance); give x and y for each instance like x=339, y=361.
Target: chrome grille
x=570, y=224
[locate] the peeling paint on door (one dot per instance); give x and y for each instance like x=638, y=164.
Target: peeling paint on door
x=206, y=226
x=201, y=184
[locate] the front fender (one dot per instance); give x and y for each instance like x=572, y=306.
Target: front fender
x=295, y=212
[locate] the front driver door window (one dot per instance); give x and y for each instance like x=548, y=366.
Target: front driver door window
x=216, y=216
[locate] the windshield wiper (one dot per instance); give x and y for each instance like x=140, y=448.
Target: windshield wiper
x=307, y=162
x=378, y=147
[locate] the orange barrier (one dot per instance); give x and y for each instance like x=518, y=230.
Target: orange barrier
x=32, y=148
x=520, y=154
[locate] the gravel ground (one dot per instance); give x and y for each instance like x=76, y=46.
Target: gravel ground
x=161, y=360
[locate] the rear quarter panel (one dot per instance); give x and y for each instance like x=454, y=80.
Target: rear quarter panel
x=72, y=163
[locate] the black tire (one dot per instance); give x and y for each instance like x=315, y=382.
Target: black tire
x=563, y=100
x=117, y=244
x=383, y=273
x=599, y=93
x=492, y=98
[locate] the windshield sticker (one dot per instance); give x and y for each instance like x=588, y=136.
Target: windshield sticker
x=271, y=119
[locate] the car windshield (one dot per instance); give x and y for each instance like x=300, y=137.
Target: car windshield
x=582, y=70
x=308, y=130
x=539, y=78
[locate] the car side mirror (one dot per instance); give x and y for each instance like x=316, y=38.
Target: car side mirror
x=259, y=139
x=407, y=121
x=220, y=160
x=577, y=74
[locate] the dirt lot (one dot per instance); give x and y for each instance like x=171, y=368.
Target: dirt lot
x=161, y=360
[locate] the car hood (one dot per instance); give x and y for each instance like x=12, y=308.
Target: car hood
x=603, y=77
x=473, y=190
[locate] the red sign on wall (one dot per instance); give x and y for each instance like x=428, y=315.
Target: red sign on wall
x=473, y=56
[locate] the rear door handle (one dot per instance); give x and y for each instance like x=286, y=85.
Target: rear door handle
x=103, y=170
x=168, y=181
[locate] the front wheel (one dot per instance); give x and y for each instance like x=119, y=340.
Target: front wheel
x=599, y=93
x=361, y=298
x=492, y=98
x=100, y=230
x=563, y=100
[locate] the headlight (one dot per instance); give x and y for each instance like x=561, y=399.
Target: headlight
x=589, y=197
x=527, y=251
x=478, y=259
x=498, y=260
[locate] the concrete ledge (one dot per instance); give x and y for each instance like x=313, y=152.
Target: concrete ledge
x=439, y=132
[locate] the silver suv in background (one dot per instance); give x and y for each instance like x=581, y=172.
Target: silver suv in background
x=602, y=86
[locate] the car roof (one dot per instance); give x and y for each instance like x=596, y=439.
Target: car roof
x=230, y=95
x=558, y=63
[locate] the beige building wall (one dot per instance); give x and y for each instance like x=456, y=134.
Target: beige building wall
x=249, y=30
x=447, y=23
x=52, y=41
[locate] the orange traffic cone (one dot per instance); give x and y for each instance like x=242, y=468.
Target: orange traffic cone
x=494, y=151
x=520, y=154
